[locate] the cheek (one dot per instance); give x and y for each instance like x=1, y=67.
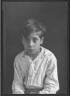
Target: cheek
x=24, y=44
x=38, y=44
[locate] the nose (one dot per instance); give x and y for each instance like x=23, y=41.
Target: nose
x=31, y=43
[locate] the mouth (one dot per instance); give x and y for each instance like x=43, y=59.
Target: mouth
x=31, y=49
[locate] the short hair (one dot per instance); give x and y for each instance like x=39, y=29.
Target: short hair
x=32, y=25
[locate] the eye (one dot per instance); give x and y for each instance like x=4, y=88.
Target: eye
x=35, y=39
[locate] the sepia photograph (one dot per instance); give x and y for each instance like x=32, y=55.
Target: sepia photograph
x=34, y=48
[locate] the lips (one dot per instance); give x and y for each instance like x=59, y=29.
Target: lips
x=31, y=49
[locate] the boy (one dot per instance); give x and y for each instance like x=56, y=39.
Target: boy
x=35, y=69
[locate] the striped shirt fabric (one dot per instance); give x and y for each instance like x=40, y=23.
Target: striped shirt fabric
x=38, y=73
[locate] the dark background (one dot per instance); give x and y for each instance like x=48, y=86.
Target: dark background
x=54, y=16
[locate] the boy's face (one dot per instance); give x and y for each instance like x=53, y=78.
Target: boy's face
x=32, y=43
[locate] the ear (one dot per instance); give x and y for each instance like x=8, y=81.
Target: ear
x=23, y=39
x=42, y=39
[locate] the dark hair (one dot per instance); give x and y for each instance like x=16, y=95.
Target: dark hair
x=32, y=25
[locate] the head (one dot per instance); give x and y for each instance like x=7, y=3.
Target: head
x=33, y=36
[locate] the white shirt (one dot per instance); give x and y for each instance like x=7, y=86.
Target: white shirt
x=40, y=72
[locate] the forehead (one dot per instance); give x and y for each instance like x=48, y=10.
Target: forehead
x=34, y=35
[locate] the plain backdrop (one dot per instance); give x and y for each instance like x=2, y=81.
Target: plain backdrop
x=54, y=16
x=0, y=48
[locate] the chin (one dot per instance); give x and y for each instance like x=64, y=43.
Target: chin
x=32, y=51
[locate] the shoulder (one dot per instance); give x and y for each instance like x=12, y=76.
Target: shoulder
x=49, y=54
x=51, y=58
x=19, y=56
